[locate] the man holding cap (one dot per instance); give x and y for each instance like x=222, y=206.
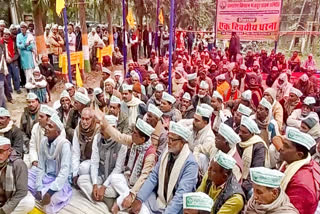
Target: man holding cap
x=49, y=183
x=268, y=197
x=222, y=186
x=14, y=195
x=174, y=175
x=30, y=115
x=301, y=173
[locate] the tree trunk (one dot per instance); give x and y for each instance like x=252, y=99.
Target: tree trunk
x=85, y=47
x=38, y=28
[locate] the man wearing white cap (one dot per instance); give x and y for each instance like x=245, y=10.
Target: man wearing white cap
x=30, y=115
x=70, y=88
x=197, y=203
x=106, y=73
x=153, y=82
x=174, y=175
x=222, y=85
x=118, y=79
x=109, y=89
x=185, y=107
x=9, y=130
x=155, y=99
x=142, y=159
x=14, y=195
x=202, y=139
x=202, y=96
x=270, y=95
x=202, y=76
x=222, y=186
x=123, y=119
x=81, y=101
x=65, y=107
x=191, y=85
x=291, y=103
x=306, y=111
x=268, y=197
x=108, y=158
x=252, y=149
x=99, y=103
x=301, y=173
x=305, y=86
x=222, y=114
x=226, y=141
x=130, y=104
x=49, y=183
x=242, y=110
x=26, y=48
x=84, y=135
x=170, y=113
x=178, y=81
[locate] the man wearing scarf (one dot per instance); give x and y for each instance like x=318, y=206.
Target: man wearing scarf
x=49, y=182
x=202, y=96
x=65, y=107
x=252, y=149
x=178, y=81
x=191, y=85
x=233, y=93
x=170, y=113
x=186, y=108
x=84, y=135
x=306, y=111
x=81, y=101
x=277, y=111
x=108, y=158
x=222, y=186
x=155, y=99
x=174, y=174
x=282, y=86
x=9, y=130
x=221, y=114
x=14, y=195
x=226, y=141
x=203, y=77
x=255, y=86
x=242, y=110
x=222, y=85
x=305, y=86
x=109, y=89
x=142, y=159
x=301, y=173
x=151, y=88
x=202, y=139
x=99, y=103
x=30, y=115
x=268, y=197
x=291, y=103
x=131, y=105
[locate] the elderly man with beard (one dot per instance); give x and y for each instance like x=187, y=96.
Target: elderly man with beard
x=301, y=173
x=186, y=108
x=131, y=105
x=222, y=115
x=268, y=197
x=99, y=103
x=49, y=182
x=109, y=90
x=252, y=149
x=142, y=159
x=9, y=130
x=170, y=113
x=30, y=115
x=84, y=135
x=81, y=101
x=14, y=195
x=123, y=119
x=222, y=186
x=108, y=158
x=65, y=107
x=291, y=103
x=233, y=93
x=202, y=96
x=174, y=174
x=202, y=139
x=191, y=85
x=155, y=99
x=306, y=111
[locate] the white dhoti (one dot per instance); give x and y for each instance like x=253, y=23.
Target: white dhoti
x=203, y=163
x=25, y=205
x=84, y=168
x=120, y=185
x=28, y=73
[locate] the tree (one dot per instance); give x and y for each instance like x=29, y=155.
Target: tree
x=38, y=8
x=85, y=47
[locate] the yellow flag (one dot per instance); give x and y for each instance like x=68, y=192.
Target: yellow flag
x=130, y=19
x=59, y=6
x=161, y=17
x=78, y=77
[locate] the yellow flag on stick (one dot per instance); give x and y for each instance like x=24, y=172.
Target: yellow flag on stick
x=161, y=20
x=60, y=4
x=130, y=19
x=78, y=77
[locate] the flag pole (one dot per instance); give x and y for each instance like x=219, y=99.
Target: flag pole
x=65, y=18
x=157, y=27
x=124, y=47
x=170, y=45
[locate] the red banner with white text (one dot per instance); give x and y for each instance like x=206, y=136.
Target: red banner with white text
x=250, y=19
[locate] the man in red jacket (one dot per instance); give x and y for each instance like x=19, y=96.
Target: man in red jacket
x=302, y=174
